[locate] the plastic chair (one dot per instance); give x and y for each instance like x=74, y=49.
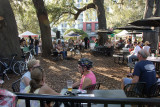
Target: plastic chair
x=93, y=86
x=154, y=90
x=135, y=89
x=16, y=85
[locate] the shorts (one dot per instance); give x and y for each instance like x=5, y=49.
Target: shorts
x=127, y=81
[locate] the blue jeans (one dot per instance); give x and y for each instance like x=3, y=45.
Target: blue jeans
x=64, y=53
x=127, y=81
x=31, y=47
x=36, y=50
x=130, y=57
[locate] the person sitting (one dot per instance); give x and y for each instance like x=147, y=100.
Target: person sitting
x=147, y=47
x=108, y=43
x=120, y=43
x=37, y=86
x=134, y=53
x=27, y=76
x=96, y=43
x=128, y=44
x=88, y=77
x=54, y=44
x=144, y=71
x=60, y=49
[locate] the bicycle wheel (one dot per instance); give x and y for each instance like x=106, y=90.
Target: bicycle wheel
x=23, y=67
x=19, y=67
x=2, y=68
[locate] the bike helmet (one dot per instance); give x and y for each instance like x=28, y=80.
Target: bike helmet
x=84, y=62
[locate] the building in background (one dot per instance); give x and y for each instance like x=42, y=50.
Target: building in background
x=87, y=21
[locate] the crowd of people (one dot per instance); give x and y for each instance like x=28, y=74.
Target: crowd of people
x=30, y=44
x=33, y=81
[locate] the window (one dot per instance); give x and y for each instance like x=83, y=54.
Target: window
x=96, y=26
x=80, y=26
x=88, y=27
x=79, y=1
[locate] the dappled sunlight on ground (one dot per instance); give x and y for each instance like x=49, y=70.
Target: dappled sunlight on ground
x=58, y=72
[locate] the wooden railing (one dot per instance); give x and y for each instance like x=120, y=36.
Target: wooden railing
x=89, y=100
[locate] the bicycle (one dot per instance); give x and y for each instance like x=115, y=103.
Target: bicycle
x=5, y=67
x=21, y=66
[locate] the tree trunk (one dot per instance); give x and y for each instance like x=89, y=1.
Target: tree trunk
x=101, y=20
x=9, y=41
x=157, y=14
x=148, y=8
x=149, y=36
x=44, y=27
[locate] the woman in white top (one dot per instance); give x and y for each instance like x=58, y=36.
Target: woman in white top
x=27, y=76
x=108, y=43
x=37, y=86
x=147, y=47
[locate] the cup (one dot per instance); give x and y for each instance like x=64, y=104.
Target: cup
x=152, y=54
x=69, y=85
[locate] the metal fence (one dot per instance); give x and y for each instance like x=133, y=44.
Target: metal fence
x=72, y=100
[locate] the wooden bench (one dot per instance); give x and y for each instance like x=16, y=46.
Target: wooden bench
x=102, y=50
x=118, y=58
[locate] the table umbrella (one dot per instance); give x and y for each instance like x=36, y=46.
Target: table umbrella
x=104, y=31
x=131, y=27
x=153, y=21
x=74, y=34
x=134, y=33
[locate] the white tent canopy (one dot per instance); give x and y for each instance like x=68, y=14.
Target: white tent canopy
x=28, y=33
x=122, y=34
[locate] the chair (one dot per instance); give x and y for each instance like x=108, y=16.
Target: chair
x=93, y=86
x=56, y=56
x=154, y=90
x=16, y=85
x=135, y=89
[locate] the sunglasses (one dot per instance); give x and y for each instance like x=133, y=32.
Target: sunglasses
x=39, y=67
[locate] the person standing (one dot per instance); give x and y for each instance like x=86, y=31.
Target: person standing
x=36, y=43
x=86, y=42
x=31, y=41
x=147, y=47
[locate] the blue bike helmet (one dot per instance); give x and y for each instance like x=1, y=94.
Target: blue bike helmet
x=84, y=62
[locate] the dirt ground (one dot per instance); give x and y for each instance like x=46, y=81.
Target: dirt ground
x=58, y=72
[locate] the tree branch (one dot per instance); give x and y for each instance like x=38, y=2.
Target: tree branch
x=88, y=6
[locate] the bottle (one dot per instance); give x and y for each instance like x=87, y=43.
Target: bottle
x=157, y=53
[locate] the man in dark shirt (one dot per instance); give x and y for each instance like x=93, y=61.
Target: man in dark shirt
x=86, y=42
x=144, y=71
x=31, y=40
x=36, y=43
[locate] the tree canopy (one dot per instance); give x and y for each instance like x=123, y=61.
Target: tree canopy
x=62, y=10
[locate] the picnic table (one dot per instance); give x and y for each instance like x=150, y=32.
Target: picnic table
x=103, y=50
x=156, y=61
x=121, y=56
x=101, y=94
